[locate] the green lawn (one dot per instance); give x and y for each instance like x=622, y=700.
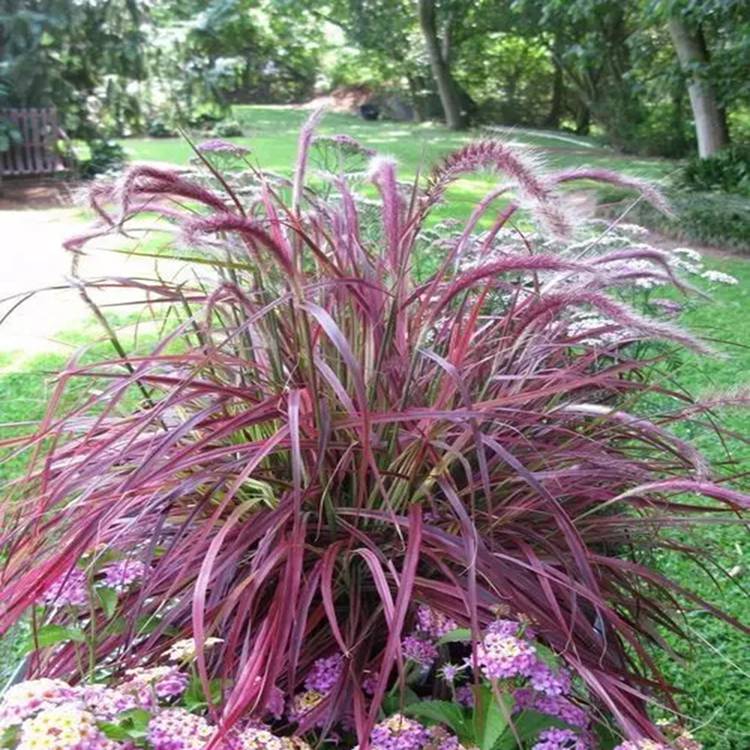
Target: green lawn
x=271, y=134
x=716, y=678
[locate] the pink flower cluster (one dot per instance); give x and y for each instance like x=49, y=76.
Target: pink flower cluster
x=560, y=739
x=325, y=673
x=151, y=684
x=64, y=727
x=27, y=698
x=545, y=680
x=320, y=680
x=70, y=590
x=421, y=646
x=49, y=714
x=506, y=651
x=551, y=705
x=275, y=704
x=432, y=623
x=122, y=574
x=501, y=655
x=398, y=732
x=419, y=650
x=178, y=729
x=106, y=702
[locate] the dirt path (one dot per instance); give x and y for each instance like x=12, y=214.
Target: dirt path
x=33, y=259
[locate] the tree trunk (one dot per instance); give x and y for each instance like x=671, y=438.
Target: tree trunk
x=583, y=119
x=450, y=99
x=556, y=105
x=710, y=119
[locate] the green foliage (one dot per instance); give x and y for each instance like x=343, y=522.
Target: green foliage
x=130, y=726
x=701, y=217
x=119, y=67
x=104, y=156
x=84, y=58
x=158, y=128
x=727, y=170
x=509, y=75
x=206, y=55
x=9, y=134
x=51, y=634
x=228, y=129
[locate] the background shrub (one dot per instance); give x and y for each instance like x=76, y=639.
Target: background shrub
x=227, y=129
x=727, y=170
x=104, y=156
x=159, y=128
x=708, y=218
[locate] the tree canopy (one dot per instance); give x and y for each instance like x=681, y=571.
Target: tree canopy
x=650, y=76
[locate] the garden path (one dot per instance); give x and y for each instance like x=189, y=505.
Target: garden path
x=33, y=259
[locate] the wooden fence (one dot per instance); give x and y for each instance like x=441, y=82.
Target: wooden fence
x=37, y=152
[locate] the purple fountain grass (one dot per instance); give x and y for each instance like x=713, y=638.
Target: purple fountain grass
x=325, y=441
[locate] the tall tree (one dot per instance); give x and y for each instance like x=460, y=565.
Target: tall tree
x=710, y=118
x=456, y=117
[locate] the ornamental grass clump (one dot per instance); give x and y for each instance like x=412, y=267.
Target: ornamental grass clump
x=344, y=423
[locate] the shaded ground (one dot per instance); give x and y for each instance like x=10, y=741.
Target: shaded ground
x=20, y=194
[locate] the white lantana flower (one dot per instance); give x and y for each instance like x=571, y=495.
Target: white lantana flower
x=185, y=649
x=689, y=253
x=719, y=277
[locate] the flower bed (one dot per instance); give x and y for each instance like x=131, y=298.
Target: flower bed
x=508, y=691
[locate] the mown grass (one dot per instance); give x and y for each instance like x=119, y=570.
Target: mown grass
x=271, y=134
x=716, y=675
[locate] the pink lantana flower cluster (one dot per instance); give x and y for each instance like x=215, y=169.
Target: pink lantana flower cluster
x=419, y=650
x=325, y=673
x=509, y=655
x=434, y=624
x=154, y=683
x=319, y=682
x=420, y=647
x=122, y=574
x=560, y=739
x=64, y=727
x=503, y=654
x=399, y=732
x=48, y=714
x=73, y=589
x=29, y=698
